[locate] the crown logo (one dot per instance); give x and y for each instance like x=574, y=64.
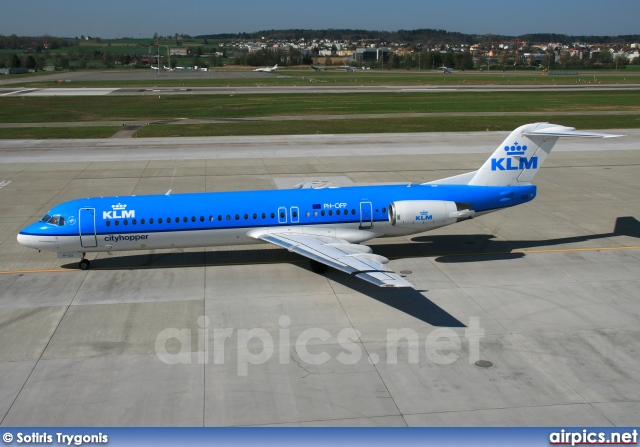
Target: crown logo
x=119, y=207
x=515, y=149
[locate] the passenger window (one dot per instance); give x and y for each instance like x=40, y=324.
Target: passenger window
x=322, y=212
x=168, y=220
x=193, y=218
x=294, y=214
x=159, y=220
x=117, y=222
x=126, y=222
x=108, y=223
x=151, y=220
x=307, y=214
x=237, y=217
x=211, y=218
x=133, y=222
x=282, y=214
x=338, y=212
x=228, y=217
x=255, y=216
x=330, y=212
x=264, y=215
x=177, y=220
x=273, y=215
x=384, y=210
x=142, y=221
x=246, y=216
x=219, y=217
x=315, y=214
x=184, y=219
x=201, y=218
x=353, y=211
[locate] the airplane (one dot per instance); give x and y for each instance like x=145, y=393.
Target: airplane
x=325, y=224
x=155, y=68
x=168, y=68
x=446, y=69
x=348, y=68
x=267, y=69
x=318, y=68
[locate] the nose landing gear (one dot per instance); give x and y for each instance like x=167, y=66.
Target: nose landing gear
x=84, y=264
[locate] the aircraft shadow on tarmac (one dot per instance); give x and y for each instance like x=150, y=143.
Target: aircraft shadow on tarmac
x=454, y=248
x=483, y=247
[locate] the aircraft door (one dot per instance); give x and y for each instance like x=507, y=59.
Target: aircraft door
x=295, y=214
x=87, y=226
x=282, y=215
x=366, y=215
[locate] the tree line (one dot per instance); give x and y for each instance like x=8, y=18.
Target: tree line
x=418, y=36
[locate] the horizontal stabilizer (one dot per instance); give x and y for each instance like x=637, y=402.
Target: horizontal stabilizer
x=562, y=131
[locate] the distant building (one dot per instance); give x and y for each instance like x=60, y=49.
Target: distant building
x=178, y=51
x=13, y=70
x=372, y=54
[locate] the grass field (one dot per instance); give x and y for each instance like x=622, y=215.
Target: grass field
x=351, y=126
x=388, y=125
x=73, y=109
x=43, y=133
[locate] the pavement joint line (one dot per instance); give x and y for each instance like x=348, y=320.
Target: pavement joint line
x=515, y=252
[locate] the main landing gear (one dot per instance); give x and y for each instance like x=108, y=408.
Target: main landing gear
x=319, y=267
x=84, y=264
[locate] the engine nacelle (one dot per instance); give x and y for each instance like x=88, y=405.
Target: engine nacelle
x=428, y=213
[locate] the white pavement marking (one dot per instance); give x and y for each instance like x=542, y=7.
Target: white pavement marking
x=17, y=92
x=72, y=92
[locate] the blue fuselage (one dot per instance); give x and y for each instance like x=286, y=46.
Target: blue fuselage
x=222, y=218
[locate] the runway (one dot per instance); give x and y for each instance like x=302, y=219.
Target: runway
x=546, y=292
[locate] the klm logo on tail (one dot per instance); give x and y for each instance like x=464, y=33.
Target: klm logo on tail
x=509, y=164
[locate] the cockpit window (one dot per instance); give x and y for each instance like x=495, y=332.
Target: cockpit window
x=54, y=220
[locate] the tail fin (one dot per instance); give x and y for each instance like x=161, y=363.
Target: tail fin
x=518, y=158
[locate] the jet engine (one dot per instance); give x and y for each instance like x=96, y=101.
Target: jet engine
x=428, y=213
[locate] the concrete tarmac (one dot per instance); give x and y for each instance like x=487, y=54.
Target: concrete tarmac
x=547, y=292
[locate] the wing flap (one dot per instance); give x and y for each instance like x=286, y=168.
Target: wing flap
x=338, y=253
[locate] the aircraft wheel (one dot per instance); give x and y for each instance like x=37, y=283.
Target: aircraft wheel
x=84, y=264
x=319, y=267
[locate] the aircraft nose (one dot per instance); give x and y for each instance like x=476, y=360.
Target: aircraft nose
x=25, y=239
x=30, y=236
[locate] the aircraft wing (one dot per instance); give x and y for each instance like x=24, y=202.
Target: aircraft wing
x=338, y=253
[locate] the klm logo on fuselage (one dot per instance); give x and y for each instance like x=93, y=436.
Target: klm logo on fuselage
x=119, y=211
x=510, y=164
x=424, y=215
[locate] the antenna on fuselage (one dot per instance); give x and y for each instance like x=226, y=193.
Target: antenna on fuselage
x=168, y=192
